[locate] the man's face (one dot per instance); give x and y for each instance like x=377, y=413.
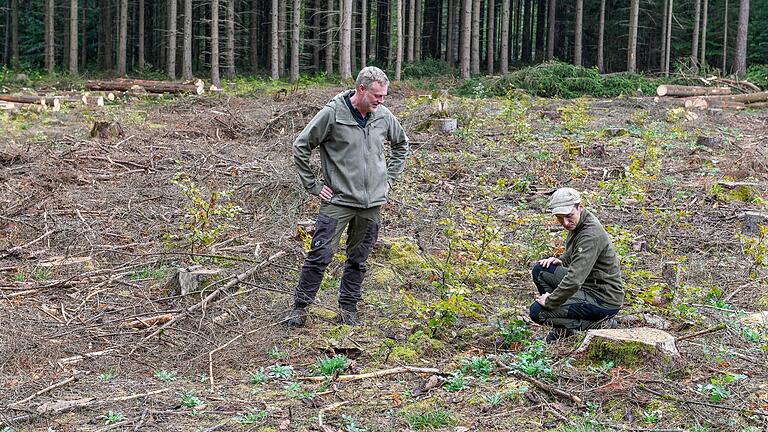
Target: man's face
x=372, y=96
x=570, y=220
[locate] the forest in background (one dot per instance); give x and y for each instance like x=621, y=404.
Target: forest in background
x=210, y=38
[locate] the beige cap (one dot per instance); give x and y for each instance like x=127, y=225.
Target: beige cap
x=563, y=200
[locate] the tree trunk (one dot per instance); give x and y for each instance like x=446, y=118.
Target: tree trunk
x=281, y=36
x=526, y=45
x=122, y=41
x=490, y=55
x=702, y=59
x=466, y=38
x=73, y=57
x=230, y=39
x=352, y=37
x=295, y=34
x=552, y=14
x=364, y=34
x=15, y=33
x=399, y=57
x=663, y=56
x=215, y=75
x=601, y=39
x=275, y=48
x=84, y=36
x=725, y=38
x=632, y=48
x=451, y=36
x=172, y=39
x=577, y=32
x=50, y=63
x=345, y=68
x=679, y=90
x=695, y=38
x=669, y=37
x=741, y=39
x=475, y=48
x=186, y=62
x=515, y=56
x=315, y=17
x=329, y=29
x=541, y=14
x=419, y=30
x=504, y=49
x=411, y=29
x=141, y=37
x=253, y=36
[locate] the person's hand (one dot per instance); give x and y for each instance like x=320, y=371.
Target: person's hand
x=542, y=299
x=326, y=193
x=546, y=262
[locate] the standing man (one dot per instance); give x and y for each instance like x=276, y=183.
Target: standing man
x=582, y=288
x=349, y=132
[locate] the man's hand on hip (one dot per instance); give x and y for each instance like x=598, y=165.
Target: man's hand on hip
x=326, y=193
x=542, y=299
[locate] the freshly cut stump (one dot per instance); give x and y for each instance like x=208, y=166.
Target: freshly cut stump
x=630, y=347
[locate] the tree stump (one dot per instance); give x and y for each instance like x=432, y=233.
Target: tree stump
x=630, y=347
x=711, y=142
x=187, y=280
x=445, y=125
x=107, y=130
x=751, y=222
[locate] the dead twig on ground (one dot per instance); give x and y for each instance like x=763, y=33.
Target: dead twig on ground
x=542, y=385
x=377, y=374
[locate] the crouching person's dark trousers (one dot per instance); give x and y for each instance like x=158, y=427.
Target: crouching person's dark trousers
x=580, y=312
x=362, y=231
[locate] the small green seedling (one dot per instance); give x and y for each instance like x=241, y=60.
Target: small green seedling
x=165, y=376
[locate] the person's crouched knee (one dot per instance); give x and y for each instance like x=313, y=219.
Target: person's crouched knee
x=536, y=270
x=534, y=312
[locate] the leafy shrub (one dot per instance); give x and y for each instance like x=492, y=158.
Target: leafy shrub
x=514, y=332
x=327, y=366
x=426, y=69
x=758, y=75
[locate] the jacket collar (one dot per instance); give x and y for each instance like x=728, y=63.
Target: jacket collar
x=585, y=214
x=344, y=115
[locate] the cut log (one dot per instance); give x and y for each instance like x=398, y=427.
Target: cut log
x=141, y=82
x=82, y=99
x=107, y=130
x=744, y=98
x=25, y=99
x=144, y=323
x=713, y=102
x=7, y=106
x=758, y=105
x=631, y=347
x=138, y=93
x=150, y=86
x=678, y=90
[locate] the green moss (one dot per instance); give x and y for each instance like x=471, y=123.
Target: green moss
x=629, y=354
x=338, y=332
x=384, y=277
x=403, y=354
x=423, y=343
x=404, y=254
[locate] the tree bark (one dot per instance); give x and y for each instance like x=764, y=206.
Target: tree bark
x=741, y=39
x=352, y=36
x=329, y=29
x=702, y=59
x=695, y=38
x=663, y=54
x=364, y=33
x=275, y=48
x=281, y=36
x=632, y=48
x=577, y=33
x=601, y=39
x=316, y=36
x=490, y=55
x=419, y=30
x=525, y=56
x=411, y=29
x=295, y=34
x=399, y=56
x=122, y=41
x=84, y=36
x=678, y=90
x=345, y=68
x=230, y=38
x=73, y=57
x=466, y=39
x=451, y=36
x=50, y=49
x=215, y=73
x=141, y=59
x=253, y=33
x=551, y=19
x=172, y=39
x=186, y=62
x=475, y=48
x=504, y=49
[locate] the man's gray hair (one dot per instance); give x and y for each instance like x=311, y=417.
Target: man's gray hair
x=370, y=74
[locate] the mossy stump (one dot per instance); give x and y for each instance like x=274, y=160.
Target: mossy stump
x=629, y=347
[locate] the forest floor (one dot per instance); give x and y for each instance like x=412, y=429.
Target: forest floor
x=91, y=230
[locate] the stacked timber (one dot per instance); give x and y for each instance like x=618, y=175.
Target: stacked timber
x=137, y=86
x=28, y=102
x=714, y=97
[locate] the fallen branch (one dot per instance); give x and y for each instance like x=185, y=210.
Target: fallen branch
x=377, y=374
x=211, y=297
x=62, y=383
x=706, y=404
x=542, y=385
x=702, y=333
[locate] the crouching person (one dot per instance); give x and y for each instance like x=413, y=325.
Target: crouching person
x=582, y=288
